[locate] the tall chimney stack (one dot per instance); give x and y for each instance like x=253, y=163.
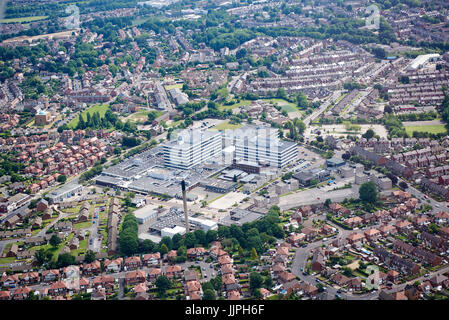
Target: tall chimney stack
x=184, y=201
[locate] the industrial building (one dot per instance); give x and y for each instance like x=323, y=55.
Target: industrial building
x=146, y=214
x=65, y=192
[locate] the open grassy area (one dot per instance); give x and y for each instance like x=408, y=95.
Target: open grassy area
x=24, y=19
x=82, y=225
x=141, y=116
x=7, y=260
x=81, y=249
x=226, y=125
x=173, y=86
x=101, y=108
x=235, y=105
x=435, y=128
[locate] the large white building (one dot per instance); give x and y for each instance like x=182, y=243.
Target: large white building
x=170, y=232
x=191, y=148
x=261, y=145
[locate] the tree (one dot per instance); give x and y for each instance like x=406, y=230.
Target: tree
x=55, y=240
x=190, y=240
x=433, y=228
x=129, y=244
x=211, y=235
x=90, y=256
x=40, y=257
x=368, y=134
x=254, y=255
x=65, y=260
x=162, y=283
x=62, y=178
x=368, y=192
x=200, y=237
x=147, y=246
x=257, y=294
x=209, y=295
x=255, y=280
x=163, y=249
x=268, y=282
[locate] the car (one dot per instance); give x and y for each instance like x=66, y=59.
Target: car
x=211, y=265
x=213, y=274
x=302, y=269
x=339, y=291
x=426, y=275
x=197, y=262
x=205, y=275
x=305, y=273
x=317, y=280
x=337, y=296
x=204, y=269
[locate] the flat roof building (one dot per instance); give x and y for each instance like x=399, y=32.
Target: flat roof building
x=145, y=214
x=262, y=145
x=65, y=192
x=191, y=148
x=170, y=232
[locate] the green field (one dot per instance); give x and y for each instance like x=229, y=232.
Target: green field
x=235, y=105
x=82, y=225
x=284, y=104
x=101, y=108
x=141, y=116
x=226, y=125
x=436, y=128
x=173, y=86
x=25, y=19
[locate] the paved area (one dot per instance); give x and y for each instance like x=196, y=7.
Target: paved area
x=339, y=130
x=228, y=200
x=314, y=196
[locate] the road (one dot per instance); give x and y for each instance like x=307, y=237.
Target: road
x=322, y=108
x=95, y=239
x=207, y=271
x=300, y=261
x=436, y=205
x=356, y=102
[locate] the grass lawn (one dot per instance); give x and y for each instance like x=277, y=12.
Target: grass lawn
x=226, y=125
x=7, y=260
x=24, y=19
x=235, y=105
x=101, y=108
x=436, y=128
x=173, y=86
x=81, y=249
x=82, y=225
x=141, y=116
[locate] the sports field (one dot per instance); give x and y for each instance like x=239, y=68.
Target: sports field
x=436, y=128
x=101, y=108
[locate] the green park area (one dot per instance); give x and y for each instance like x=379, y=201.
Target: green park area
x=284, y=104
x=435, y=129
x=100, y=108
x=226, y=125
x=24, y=19
x=173, y=86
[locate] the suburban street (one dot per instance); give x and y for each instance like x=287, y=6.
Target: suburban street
x=322, y=108
x=300, y=261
